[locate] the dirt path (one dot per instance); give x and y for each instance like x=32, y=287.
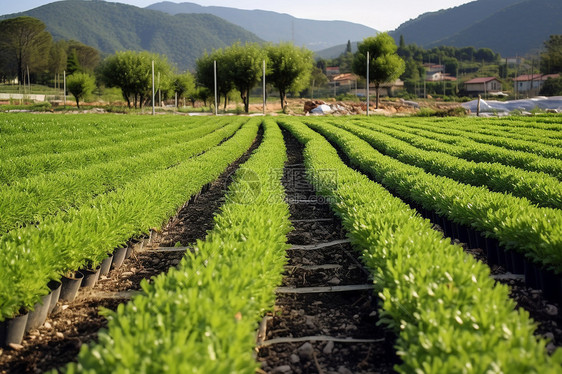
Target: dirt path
x=58, y=341
x=318, y=317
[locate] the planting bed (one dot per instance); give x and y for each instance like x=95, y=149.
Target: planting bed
x=285, y=245
x=343, y=315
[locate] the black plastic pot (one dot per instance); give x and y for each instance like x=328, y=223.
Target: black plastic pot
x=118, y=257
x=517, y=262
x=551, y=284
x=70, y=287
x=90, y=278
x=106, y=264
x=39, y=313
x=532, y=277
x=55, y=288
x=491, y=251
x=12, y=330
x=129, y=252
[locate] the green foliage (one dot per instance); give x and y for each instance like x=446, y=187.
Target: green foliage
x=384, y=64
x=85, y=234
x=245, y=68
x=183, y=85
x=23, y=45
x=80, y=85
x=539, y=188
x=132, y=73
x=515, y=222
x=552, y=87
x=449, y=315
x=201, y=317
x=289, y=69
x=551, y=59
x=110, y=27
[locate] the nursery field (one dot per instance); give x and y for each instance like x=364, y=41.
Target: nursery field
x=282, y=244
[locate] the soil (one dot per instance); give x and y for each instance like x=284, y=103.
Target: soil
x=58, y=341
x=337, y=314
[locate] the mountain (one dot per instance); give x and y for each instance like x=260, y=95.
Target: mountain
x=112, y=27
x=336, y=51
x=275, y=27
x=510, y=27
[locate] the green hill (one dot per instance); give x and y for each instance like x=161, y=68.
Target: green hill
x=276, y=27
x=509, y=27
x=112, y=27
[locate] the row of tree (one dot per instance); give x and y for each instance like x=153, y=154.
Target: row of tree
x=27, y=47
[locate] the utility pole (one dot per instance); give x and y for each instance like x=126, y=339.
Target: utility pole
x=216, y=101
x=368, y=83
x=263, y=88
x=64, y=86
x=153, y=111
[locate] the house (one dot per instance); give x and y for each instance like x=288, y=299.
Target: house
x=531, y=84
x=483, y=85
x=434, y=73
x=346, y=79
x=332, y=71
x=385, y=89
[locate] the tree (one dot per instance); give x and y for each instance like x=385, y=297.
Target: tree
x=552, y=87
x=551, y=59
x=132, y=73
x=384, y=64
x=24, y=43
x=205, y=75
x=184, y=85
x=245, y=68
x=80, y=85
x=289, y=69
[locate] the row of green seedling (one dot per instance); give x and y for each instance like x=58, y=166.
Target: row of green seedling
x=202, y=316
x=464, y=132
x=30, y=200
x=448, y=313
x=469, y=150
x=539, y=188
x=82, y=237
x=21, y=146
x=26, y=166
x=24, y=128
x=515, y=222
x=480, y=128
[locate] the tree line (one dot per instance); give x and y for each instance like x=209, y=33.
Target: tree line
x=26, y=46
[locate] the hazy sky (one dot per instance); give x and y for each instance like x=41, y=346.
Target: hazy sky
x=381, y=15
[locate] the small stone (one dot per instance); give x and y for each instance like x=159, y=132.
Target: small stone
x=328, y=348
x=550, y=348
x=16, y=347
x=64, y=307
x=551, y=310
x=373, y=313
x=59, y=335
x=47, y=325
x=305, y=351
x=295, y=359
x=549, y=336
x=344, y=370
x=335, y=281
x=285, y=369
x=310, y=321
